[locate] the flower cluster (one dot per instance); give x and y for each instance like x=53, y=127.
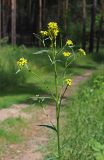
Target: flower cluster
x=52, y=25
x=52, y=31
x=69, y=42
x=21, y=62
x=81, y=51
x=66, y=54
x=68, y=82
x=44, y=33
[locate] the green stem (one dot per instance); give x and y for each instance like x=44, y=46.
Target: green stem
x=58, y=138
x=57, y=111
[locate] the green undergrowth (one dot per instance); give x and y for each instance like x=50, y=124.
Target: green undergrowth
x=17, y=88
x=82, y=132
x=11, y=130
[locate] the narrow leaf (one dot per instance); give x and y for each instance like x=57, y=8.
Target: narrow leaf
x=37, y=36
x=46, y=39
x=18, y=71
x=50, y=59
x=48, y=126
x=40, y=52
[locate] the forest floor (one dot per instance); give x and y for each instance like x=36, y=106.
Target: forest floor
x=36, y=137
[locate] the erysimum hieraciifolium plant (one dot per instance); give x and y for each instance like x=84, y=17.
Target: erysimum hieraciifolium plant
x=67, y=51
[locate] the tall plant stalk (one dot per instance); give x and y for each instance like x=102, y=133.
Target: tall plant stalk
x=57, y=110
x=53, y=55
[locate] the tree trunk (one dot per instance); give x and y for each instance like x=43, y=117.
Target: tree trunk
x=40, y=18
x=65, y=11
x=44, y=12
x=13, y=22
x=30, y=2
x=4, y=18
x=59, y=9
x=99, y=34
x=100, y=27
x=92, y=28
x=84, y=26
x=40, y=15
x=0, y=21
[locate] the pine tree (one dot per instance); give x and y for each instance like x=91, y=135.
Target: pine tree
x=0, y=19
x=92, y=28
x=100, y=26
x=13, y=22
x=84, y=26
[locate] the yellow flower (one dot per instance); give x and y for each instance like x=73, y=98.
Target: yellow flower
x=68, y=82
x=21, y=62
x=82, y=51
x=52, y=25
x=53, y=30
x=69, y=42
x=66, y=54
x=44, y=33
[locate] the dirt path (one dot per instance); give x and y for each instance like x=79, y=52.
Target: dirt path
x=37, y=136
x=13, y=111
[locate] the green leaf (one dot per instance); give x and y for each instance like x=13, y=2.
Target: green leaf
x=48, y=126
x=41, y=52
x=39, y=97
x=50, y=59
x=18, y=71
x=96, y=146
x=37, y=36
x=99, y=156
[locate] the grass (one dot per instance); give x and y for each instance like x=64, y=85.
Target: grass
x=16, y=88
x=10, y=130
x=83, y=122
